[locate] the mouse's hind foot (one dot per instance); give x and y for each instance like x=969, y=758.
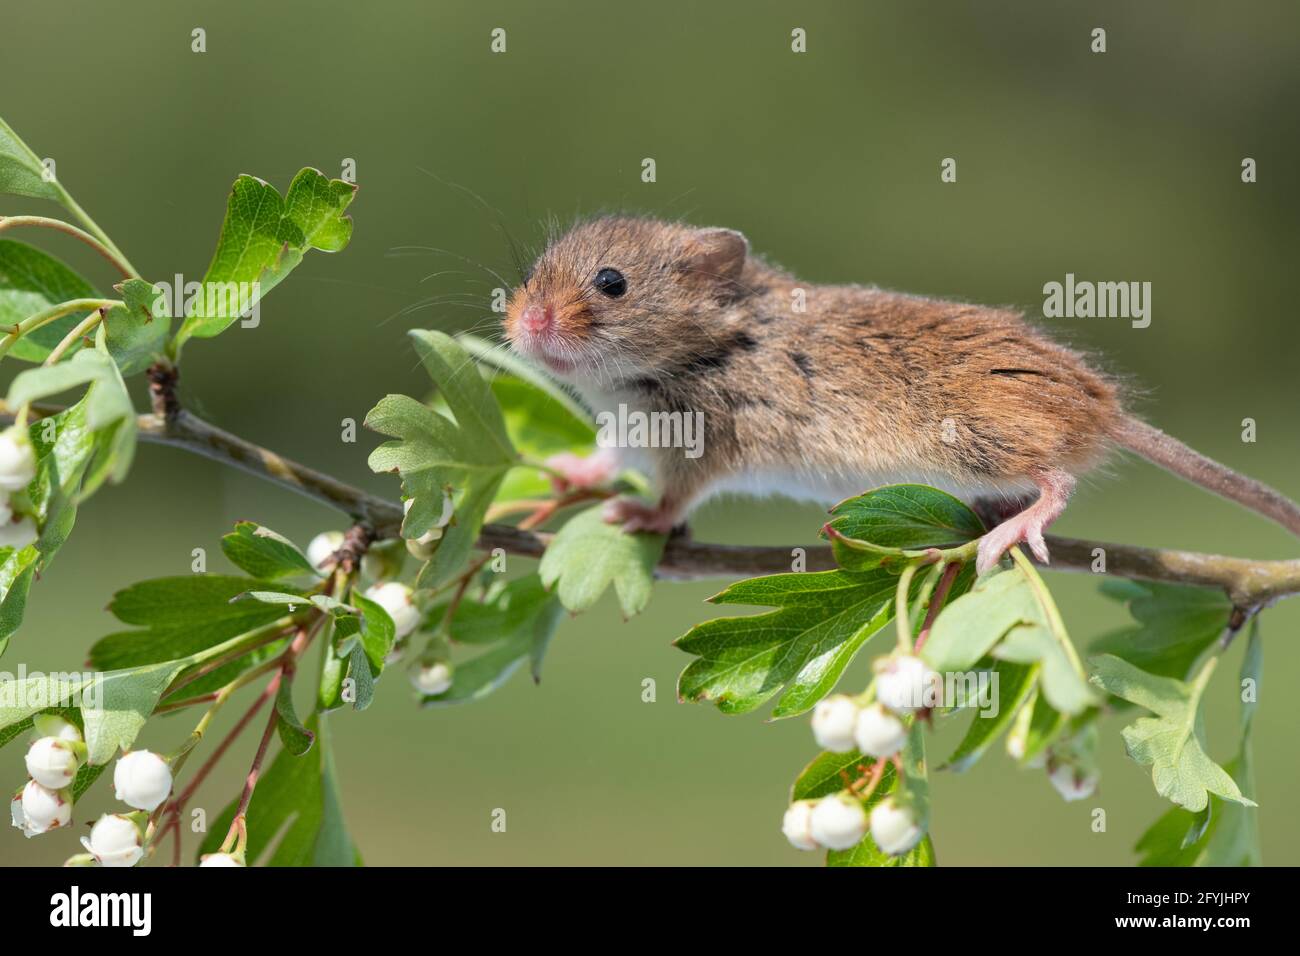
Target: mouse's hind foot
x=1027, y=527
x=636, y=515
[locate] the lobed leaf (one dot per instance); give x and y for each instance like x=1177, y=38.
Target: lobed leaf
x=136, y=332
x=822, y=619
x=589, y=554
x=1172, y=742
x=1174, y=625
x=264, y=237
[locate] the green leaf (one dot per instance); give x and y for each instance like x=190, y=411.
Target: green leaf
x=295, y=816
x=296, y=738
x=263, y=238
x=362, y=678
x=425, y=439
x=1174, y=625
x=108, y=409
x=189, y=600
x=181, y=616
x=1179, y=837
x=469, y=451
x=264, y=554
x=539, y=427
x=540, y=417
x=822, y=619
x=21, y=172
x=64, y=446
x=1010, y=615
x=1236, y=840
x=170, y=642
x=136, y=332
x=334, y=668
x=521, y=372
x=292, y=601
x=516, y=624
x=466, y=393
x=377, y=632
x=1224, y=833
x=115, y=706
x=460, y=536
x=1015, y=685
x=888, y=523
x=1172, y=742
x=589, y=554
x=1036, y=727
x=20, y=699
x=32, y=281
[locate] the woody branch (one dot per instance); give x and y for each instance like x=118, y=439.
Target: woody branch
x=1249, y=584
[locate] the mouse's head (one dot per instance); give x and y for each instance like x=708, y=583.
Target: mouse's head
x=620, y=298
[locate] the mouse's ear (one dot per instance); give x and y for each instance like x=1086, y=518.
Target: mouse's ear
x=716, y=252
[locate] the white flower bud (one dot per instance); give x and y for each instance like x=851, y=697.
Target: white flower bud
x=430, y=679
x=838, y=822
x=797, y=825
x=1073, y=783
x=905, y=684
x=879, y=733
x=52, y=725
x=17, y=459
x=43, y=809
x=1015, y=745
x=142, y=780
x=322, y=546
x=423, y=547
x=115, y=840
x=395, y=598
x=18, y=534
x=832, y=723
x=221, y=859
x=52, y=762
x=894, y=827
x=448, y=509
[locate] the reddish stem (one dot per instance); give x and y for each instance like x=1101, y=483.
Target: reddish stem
x=936, y=603
x=290, y=663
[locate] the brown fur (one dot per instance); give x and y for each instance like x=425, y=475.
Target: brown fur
x=862, y=380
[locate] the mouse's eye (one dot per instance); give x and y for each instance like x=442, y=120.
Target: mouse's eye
x=610, y=282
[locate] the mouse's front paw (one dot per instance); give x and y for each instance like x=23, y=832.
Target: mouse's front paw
x=575, y=473
x=636, y=515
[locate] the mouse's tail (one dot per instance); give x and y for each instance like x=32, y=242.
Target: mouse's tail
x=1169, y=453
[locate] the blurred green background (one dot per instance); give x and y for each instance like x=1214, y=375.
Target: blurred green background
x=1117, y=166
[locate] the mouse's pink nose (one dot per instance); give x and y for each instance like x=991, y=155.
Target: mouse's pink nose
x=536, y=319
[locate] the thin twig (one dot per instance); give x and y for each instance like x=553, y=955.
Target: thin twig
x=14, y=222
x=936, y=602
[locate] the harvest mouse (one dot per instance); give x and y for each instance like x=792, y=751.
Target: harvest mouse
x=823, y=392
